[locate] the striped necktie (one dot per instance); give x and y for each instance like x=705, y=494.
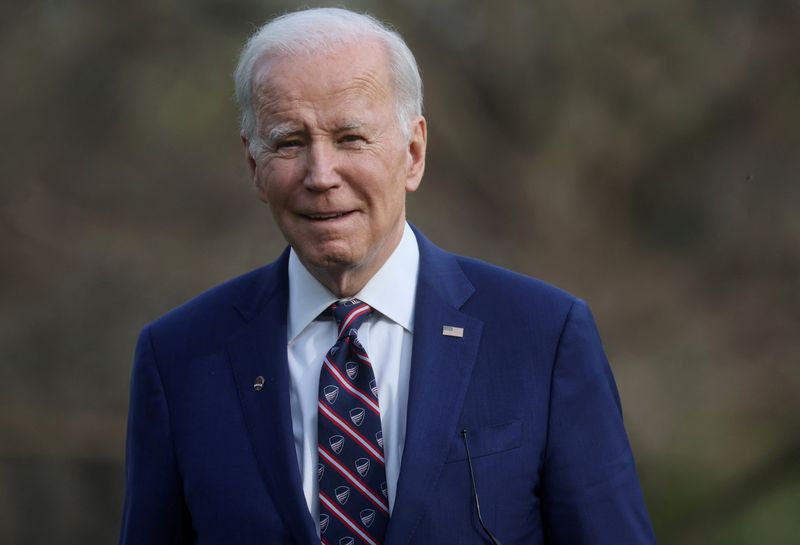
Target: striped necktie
x=353, y=498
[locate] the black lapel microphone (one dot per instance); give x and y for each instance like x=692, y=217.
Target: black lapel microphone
x=493, y=539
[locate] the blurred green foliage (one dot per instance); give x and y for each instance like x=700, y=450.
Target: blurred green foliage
x=641, y=155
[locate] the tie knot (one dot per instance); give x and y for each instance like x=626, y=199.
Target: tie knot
x=350, y=314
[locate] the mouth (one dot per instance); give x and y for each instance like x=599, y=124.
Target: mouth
x=323, y=217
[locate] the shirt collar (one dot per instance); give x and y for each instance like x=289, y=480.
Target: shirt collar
x=391, y=291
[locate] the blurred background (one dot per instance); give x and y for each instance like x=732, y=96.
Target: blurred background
x=642, y=155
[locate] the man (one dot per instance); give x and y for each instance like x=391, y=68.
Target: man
x=368, y=387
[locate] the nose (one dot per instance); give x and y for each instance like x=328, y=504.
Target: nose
x=321, y=169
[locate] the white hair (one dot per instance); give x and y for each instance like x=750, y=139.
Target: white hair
x=311, y=30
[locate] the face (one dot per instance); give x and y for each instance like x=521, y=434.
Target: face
x=332, y=163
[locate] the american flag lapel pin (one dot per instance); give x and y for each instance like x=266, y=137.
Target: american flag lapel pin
x=452, y=331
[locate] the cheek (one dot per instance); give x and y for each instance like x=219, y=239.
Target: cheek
x=275, y=183
x=386, y=185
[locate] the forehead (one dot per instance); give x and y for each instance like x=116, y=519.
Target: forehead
x=354, y=74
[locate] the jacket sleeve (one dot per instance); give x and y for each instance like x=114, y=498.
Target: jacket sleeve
x=591, y=493
x=155, y=512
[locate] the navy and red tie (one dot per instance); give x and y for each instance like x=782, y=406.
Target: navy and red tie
x=353, y=498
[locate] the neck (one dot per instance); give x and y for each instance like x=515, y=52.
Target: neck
x=346, y=280
x=343, y=285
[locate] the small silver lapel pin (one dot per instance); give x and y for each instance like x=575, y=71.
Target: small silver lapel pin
x=258, y=385
x=452, y=331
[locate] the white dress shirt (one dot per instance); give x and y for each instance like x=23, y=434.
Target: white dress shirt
x=387, y=338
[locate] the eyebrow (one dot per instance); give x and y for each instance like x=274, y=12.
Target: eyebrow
x=280, y=131
x=350, y=126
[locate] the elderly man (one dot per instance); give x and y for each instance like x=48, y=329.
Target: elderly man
x=368, y=387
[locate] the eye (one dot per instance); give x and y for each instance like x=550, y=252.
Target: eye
x=288, y=144
x=351, y=138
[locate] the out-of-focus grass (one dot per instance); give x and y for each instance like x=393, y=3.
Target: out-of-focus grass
x=775, y=520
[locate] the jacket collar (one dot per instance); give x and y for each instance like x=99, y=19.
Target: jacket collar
x=441, y=367
x=260, y=368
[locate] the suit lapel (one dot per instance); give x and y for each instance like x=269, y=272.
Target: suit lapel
x=441, y=367
x=261, y=352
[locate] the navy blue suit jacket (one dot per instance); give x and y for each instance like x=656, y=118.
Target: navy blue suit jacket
x=211, y=460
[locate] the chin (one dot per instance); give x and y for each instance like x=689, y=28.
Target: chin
x=337, y=259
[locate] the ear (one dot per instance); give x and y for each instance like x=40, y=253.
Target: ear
x=251, y=163
x=251, y=166
x=416, y=153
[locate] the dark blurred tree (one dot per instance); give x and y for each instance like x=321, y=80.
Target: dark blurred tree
x=643, y=156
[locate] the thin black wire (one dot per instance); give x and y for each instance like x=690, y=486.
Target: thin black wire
x=495, y=541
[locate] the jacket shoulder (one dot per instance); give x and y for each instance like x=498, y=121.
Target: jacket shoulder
x=212, y=317
x=504, y=284
x=212, y=300
x=513, y=305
